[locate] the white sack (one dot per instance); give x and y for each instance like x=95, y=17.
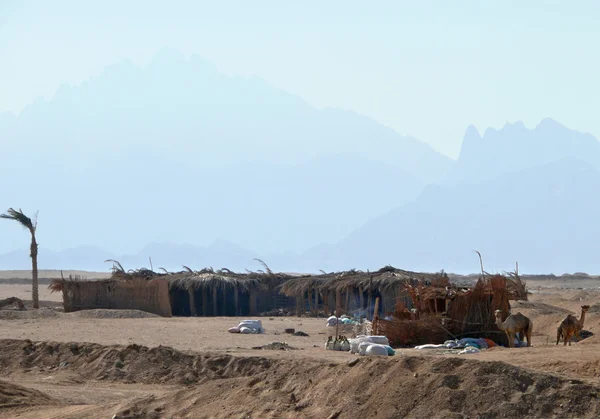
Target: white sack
x=375, y=349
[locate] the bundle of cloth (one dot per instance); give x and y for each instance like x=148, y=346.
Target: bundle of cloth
x=248, y=327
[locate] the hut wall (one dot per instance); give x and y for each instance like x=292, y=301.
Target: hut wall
x=136, y=294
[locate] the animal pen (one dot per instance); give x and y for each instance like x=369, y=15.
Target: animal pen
x=466, y=312
x=217, y=293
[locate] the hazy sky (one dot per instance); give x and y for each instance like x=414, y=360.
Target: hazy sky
x=425, y=70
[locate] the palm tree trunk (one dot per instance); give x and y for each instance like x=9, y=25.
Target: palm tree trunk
x=34, y=273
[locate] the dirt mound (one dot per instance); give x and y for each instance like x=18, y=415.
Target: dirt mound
x=42, y=313
x=47, y=312
x=13, y=396
x=401, y=387
x=110, y=314
x=255, y=387
x=129, y=364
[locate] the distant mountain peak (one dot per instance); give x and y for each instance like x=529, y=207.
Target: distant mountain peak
x=472, y=133
x=549, y=123
x=514, y=126
x=514, y=147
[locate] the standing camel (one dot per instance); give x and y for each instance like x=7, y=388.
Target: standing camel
x=570, y=326
x=515, y=325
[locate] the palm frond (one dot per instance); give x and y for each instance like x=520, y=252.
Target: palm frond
x=269, y=271
x=187, y=269
x=117, y=267
x=25, y=221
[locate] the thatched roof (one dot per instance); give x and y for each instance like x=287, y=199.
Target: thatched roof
x=58, y=284
x=387, y=278
x=207, y=278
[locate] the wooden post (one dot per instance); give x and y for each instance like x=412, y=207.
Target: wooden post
x=316, y=302
x=326, y=302
x=236, y=300
x=338, y=302
x=347, y=300
x=362, y=298
x=192, y=301
x=298, y=306
x=369, y=304
x=375, y=316
x=204, y=302
x=309, y=296
x=224, y=310
x=215, y=302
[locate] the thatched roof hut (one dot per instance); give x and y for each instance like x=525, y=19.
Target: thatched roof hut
x=356, y=290
x=211, y=292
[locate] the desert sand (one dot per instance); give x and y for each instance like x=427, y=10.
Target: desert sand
x=101, y=363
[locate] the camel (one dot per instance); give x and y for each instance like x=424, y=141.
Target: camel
x=570, y=326
x=515, y=325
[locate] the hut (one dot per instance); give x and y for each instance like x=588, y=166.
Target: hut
x=355, y=291
x=217, y=293
x=78, y=294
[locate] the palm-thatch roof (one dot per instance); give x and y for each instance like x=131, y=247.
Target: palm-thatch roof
x=387, y=278
x=207, y=278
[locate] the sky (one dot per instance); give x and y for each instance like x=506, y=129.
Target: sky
x=426, y=70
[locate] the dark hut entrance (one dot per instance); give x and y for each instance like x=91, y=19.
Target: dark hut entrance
x=212, y=302
x=180, y=301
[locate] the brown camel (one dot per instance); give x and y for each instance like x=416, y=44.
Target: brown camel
x=570, y=326
x=515, y=325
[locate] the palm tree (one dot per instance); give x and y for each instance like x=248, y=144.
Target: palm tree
x=31, y=225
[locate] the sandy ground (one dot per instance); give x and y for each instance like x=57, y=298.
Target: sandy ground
x=66, y=392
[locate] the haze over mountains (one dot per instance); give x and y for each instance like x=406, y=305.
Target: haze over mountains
x=184, y=154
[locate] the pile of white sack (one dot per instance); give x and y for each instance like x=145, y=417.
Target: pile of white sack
x=248, y=327
x=371, y=346
x=333, y=321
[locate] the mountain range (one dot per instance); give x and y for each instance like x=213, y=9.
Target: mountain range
x=179, y=153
